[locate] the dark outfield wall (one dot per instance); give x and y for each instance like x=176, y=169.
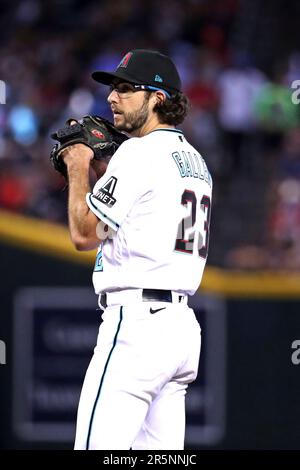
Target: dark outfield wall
x=247, y=395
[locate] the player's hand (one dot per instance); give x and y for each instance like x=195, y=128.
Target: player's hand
x=77, y=154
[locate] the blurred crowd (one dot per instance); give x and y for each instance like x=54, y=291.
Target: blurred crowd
x=242, y=117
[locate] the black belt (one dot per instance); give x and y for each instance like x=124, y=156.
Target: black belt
x=149, y=295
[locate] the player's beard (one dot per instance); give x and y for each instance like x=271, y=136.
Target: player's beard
x=134, y=120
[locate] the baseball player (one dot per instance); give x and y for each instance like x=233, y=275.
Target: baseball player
x=149, y=216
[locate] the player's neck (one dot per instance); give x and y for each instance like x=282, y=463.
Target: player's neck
x=151, y=125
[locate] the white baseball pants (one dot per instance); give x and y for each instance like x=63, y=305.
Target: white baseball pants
x=133, y=394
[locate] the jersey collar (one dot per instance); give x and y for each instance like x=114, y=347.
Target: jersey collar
x=167, y=129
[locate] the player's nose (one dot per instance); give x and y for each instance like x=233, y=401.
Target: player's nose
x=112, y=97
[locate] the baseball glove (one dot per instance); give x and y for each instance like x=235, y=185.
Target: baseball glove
x=94, y=131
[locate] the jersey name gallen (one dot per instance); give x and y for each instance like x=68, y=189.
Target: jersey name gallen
x=192, y=164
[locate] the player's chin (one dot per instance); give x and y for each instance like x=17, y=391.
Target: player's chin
x=119, y=122
x=118, y=119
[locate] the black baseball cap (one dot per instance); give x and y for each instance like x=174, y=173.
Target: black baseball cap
x=144, y=67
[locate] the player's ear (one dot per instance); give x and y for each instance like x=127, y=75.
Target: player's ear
x=160, y=97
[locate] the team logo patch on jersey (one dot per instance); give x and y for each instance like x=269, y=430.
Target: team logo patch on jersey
x=105, y=194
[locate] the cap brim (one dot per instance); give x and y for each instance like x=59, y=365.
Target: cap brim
x=106, y=78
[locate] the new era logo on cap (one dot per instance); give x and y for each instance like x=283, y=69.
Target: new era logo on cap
x=158, y=79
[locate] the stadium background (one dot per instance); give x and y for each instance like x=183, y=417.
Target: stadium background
x=238, y=60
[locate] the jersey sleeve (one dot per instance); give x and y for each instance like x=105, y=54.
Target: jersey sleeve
x=123, y=183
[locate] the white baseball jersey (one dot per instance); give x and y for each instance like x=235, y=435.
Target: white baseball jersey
x=156, y=196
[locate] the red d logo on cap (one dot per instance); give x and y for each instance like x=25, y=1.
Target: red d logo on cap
x=125, y=60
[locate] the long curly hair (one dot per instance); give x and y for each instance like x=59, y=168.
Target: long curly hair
x=173, y=110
